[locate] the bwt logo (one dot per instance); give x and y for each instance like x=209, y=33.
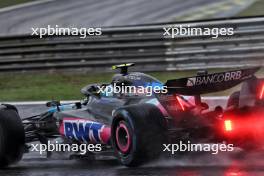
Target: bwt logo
x=84, y=130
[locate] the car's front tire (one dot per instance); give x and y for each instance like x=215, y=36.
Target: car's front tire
x=12, y=136
x=138, y=132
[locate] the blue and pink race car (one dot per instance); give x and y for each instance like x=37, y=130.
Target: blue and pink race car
x=144, y=114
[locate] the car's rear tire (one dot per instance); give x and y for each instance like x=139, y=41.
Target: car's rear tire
x=138, y=132
x=12, y=136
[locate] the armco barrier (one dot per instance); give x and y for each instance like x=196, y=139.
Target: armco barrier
x=142, y=44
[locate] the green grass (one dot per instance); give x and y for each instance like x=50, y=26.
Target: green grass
x=255, y=9
x=41, y=86
x=5, y=3
x=59, y=86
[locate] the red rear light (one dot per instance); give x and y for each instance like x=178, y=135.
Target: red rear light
x=180, y=102
x=261, y=92
x=228, y=125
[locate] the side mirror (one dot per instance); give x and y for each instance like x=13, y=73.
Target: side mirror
x=91, y=90
x=53, y=103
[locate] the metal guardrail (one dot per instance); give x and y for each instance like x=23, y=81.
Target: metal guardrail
x=143, y=44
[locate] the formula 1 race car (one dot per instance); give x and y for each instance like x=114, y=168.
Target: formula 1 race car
x=135, y=114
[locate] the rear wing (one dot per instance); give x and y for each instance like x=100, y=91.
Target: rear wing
x=208, y=83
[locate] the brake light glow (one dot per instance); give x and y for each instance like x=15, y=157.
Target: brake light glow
x=261, y=92
x=228, y=125
x=180, y=102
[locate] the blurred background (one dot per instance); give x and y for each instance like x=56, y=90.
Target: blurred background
x=57, y=67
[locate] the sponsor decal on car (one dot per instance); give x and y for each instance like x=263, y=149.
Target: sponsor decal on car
x=214, y=78
x=85, y=130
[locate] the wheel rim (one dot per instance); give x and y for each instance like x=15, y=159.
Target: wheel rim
x=123, y=138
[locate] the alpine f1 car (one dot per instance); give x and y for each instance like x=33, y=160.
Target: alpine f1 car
x=136, y=125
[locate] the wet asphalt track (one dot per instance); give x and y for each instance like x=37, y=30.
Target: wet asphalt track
x=196, y=164
x=232, y=164
x=89, y=13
